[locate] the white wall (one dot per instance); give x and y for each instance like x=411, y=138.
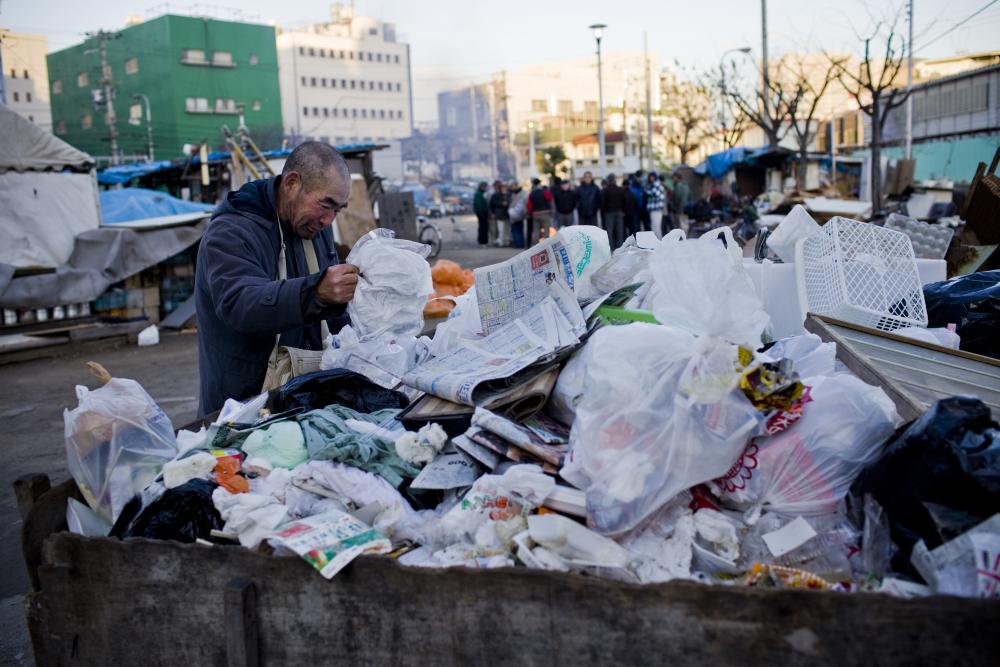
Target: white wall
x=23, y=52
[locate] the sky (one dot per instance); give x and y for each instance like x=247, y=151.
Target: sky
x=455, y=42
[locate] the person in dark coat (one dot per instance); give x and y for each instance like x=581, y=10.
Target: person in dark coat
x=243, y=303
x=482, y=211
x=613, y=211
x=633, y=223
x=588, y=200
x=565, y=201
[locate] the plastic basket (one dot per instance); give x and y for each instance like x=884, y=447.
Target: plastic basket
x=860, y=273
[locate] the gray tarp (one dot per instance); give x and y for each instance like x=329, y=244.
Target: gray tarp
x=101, y=257
x=25, y=146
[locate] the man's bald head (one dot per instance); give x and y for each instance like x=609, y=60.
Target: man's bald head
x=315, y=161
x=315, y=185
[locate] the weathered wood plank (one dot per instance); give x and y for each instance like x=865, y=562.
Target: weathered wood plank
x=241, y=624
x=105, y=602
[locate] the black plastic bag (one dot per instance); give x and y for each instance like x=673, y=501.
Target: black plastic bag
x=335, y=387
x=938, y=476
x=972, y=303
x=183, y=513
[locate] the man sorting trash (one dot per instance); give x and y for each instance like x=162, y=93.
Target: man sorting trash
x=268, y=273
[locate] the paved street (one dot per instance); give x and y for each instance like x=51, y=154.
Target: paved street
x=36, y=393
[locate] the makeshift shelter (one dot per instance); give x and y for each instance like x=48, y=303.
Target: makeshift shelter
x=48, y=194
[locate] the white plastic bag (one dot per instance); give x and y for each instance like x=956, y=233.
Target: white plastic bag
x=660, y=412
x=569, y=387
x=700, y=286
x=463, y=324
x=394, y=282
x=625, y=264
x=589, y=250
x=797, y=225
x=117, y=440
x=808, y=468
x=810, y=356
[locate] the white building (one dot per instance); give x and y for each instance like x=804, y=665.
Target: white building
x=347, y=82
x=26, y=76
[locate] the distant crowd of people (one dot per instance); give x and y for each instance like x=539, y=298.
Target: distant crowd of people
x=510, y=216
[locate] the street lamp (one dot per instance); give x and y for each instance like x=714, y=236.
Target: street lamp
x=149, y=124
x=531, y=148
x=598, y=29
x=745, y=50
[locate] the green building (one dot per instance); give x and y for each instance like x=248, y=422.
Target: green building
x=197, y=73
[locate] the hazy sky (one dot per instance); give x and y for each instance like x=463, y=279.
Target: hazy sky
x=453, y=42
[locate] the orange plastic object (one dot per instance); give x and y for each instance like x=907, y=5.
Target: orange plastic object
x=438, y=308
x=227, y=475
x=447, y=272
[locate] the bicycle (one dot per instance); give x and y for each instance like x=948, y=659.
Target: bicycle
x=429, y=234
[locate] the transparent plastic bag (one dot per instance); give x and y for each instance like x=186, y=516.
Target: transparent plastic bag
x=625, y=264
x=589, y=250
x=808, y=468
x=700, y=286
x=394, y=282
x=660, y=412
x=117, y=440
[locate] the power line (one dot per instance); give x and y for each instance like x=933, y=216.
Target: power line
x=961, y=23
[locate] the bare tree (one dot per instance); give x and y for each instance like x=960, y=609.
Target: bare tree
x=873, y=86
x=726, y=121
x=689, y=103
x=770, y=105
x=810, y=87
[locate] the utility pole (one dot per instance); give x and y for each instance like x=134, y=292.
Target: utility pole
x=493, y=129
x=598, y=29
x=149, y=124
x=765, y=93
x=909, y=88
x=3, y=92
x=108, y=90
x=649, y=105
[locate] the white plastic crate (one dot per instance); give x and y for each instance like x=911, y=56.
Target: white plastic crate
x=860, y=273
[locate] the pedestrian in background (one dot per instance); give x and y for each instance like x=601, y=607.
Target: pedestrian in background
x=482, y=210
x=588, y=200
x=633, y=199
x=565, y=200
x=680, y=199
x=517, y=211
x=539, y=212
x=613, y=211
x=499, y=202
x=656, y=200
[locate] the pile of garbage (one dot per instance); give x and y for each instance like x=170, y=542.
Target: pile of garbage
x=673, y=439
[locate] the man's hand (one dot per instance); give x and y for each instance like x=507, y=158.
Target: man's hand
x=337, y=284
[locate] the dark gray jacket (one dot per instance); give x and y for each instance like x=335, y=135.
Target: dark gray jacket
x=588, y=199
x=240, y=302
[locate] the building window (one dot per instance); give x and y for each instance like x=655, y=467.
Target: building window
x=303, y=81
x=82, y=80
x=353, y=84
x=315, y=111
x=222, y=59
x=57, y=87
x=132, y=66
x=256, y=105
x=87, y=122
x=396, y=59
x=378, y=57
x=369, y=56
x=323, y=82
x=335, y=112
x=380, y=85
x=399, y=87
x=312, y=51
x=13, y=73
x=17, y=98
x=61, y=127
x=354, y=113
x=26, y=74
x=341, y=55
x=372, y=31
x=135, y=114
x=364, y=113
x=305, y=111
x=381, y=113
x=27, y=97
x=343, y=83
x=225, y=105
x=350, y=55
x=333, y=83
x=193, y=57
x=326, y=112
x=322, y=53
x=253, y=59
x=196, y=105
x=538, y=105
x=312, y=81
x=302, y=51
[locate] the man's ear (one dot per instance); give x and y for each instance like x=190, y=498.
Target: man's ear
x=292, y=182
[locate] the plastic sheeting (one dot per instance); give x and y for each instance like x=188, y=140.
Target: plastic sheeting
x=128, y=204
x=717, y=164
x=123, y=173
x=101, y=257
x=25, y=146
x=41, y=212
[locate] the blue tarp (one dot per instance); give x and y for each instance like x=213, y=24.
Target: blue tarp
x=130, y=204
x=717, y=164
x=123, y=173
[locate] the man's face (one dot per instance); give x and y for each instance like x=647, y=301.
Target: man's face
x=564, y=185
x=587, y=178
x=313, y=210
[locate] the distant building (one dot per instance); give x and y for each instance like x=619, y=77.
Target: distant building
x=198, y=74
x=473, y=133
x=346, y=82
x=25, y=76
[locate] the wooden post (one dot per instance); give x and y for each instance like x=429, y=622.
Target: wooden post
x=28, y=489
x=240, y=624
